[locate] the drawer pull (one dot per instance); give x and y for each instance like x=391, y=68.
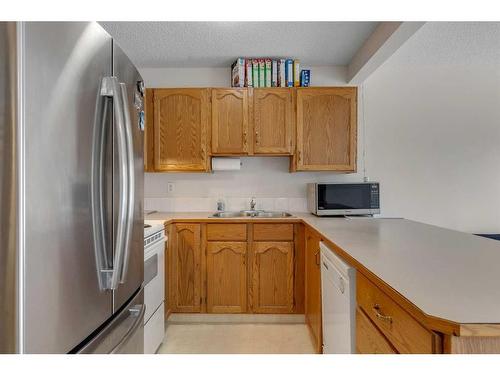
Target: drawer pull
x=376, y=310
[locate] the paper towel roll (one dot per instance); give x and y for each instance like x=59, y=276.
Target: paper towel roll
x=226, y=164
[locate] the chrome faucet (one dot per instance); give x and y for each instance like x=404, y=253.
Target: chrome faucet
x=220, y=205
x=252, y=204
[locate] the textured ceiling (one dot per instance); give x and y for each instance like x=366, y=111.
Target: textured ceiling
x=217, y=44
x=452, y=43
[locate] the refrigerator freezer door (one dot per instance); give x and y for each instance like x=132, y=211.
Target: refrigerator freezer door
x=124, y=334
x=63, y=67
x=133, y=266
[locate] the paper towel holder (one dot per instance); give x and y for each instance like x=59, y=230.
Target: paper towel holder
x=226, y=164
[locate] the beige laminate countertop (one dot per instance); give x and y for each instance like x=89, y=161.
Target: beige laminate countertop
x=445, y=273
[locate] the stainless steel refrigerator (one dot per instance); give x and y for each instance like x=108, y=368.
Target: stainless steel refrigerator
x=71, y=191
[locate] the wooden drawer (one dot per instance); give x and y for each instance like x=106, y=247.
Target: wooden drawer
x=369, y=340
x=402, y=330
x=273, y=232
x=226, y=232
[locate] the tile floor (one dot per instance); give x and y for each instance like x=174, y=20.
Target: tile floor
x=236, y=339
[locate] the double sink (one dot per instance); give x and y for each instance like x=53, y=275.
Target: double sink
x=251, y=213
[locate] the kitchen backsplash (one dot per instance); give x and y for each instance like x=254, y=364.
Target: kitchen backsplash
x=186, y=204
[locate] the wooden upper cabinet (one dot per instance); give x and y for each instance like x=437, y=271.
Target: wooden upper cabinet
x=229, y=121
x=326, y=129
x=186, y=268
x=181, y=124
x=272, y=277
x=226, y=277
x=273, y=121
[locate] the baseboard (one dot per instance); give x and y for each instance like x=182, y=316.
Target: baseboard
x=181, y=318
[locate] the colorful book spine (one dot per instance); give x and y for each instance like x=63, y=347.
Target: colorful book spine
x=289, y=72
x=274, y=74
x=305, y=78
x=238, y=73
x=248, y=73
x=262, y=73
x=296, y=73
x=269, y=66
x=255, y=72
x=281, y=73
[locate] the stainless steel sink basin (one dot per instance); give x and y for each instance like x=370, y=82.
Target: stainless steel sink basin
x=253, y=214
x=228, y=214
x=265, y=214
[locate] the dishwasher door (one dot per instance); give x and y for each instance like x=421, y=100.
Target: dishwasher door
x=338, y=304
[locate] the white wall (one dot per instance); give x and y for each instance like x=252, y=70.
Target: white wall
x=432, y=116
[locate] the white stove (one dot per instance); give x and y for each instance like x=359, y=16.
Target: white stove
x=151, y=227
x=154, y=284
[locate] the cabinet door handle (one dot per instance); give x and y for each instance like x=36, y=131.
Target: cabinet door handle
x=257, y=139
x=316, y=256
x=299, y=155
x=244, y=138
x=378, y=314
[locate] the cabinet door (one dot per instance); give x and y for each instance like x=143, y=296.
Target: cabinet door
x=369, y=340
x=326, y=129
x=186, y=268
x=273, y=119
x=313, y=290
x=272, y=277
x=229, y=121
x=226, y=277
x=181, y=119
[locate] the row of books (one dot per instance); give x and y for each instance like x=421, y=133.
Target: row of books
x=266, y=72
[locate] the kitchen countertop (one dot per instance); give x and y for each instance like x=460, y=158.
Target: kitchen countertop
x=447, y=274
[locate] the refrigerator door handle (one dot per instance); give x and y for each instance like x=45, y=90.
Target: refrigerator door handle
x=110, y=87
x=97, y=194
x=136, y=312
x=131, y=182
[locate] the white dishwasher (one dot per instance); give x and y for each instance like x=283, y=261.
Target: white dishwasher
x=338, y=297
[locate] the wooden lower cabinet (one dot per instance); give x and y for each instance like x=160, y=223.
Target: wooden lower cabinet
x=185, y=257
x=369, y=340
x=313, y=289
x=226, y=277
x=272, y=277
x=403, y=331
x=221, y=268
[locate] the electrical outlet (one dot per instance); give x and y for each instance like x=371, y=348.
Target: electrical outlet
x=170, y=187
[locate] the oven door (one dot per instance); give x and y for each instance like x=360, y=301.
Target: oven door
x=344, y=199
x=154, y=276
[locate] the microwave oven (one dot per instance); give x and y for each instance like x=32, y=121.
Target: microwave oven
x=332, y=199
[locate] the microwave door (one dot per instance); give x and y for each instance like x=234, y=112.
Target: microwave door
x=344, y=199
